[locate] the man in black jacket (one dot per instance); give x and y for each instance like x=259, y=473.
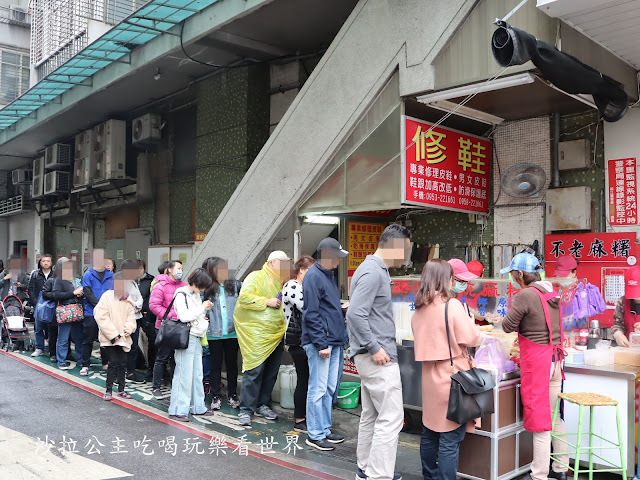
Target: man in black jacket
x=148, y=318
x=36, y=283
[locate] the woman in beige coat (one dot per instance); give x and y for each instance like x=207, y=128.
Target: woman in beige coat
x=116, y=320
x=440, y=442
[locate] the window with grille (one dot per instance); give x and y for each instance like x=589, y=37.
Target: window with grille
x=14, y=74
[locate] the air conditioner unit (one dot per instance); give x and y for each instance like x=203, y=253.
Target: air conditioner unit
x=83, y=144
x=21, y=176
x=56, y=183
x=37, y=190
x=18, y=14
x=82, y=172
x=146, y=129
x=108, y=159
x=57, y=156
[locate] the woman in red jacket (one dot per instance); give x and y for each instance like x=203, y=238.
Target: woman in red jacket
x=161, y=296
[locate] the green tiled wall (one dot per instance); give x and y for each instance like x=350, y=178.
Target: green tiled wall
x=233, y=125
x=182, y=193
x=63, y=236
x=583, y=126
x=147, y=216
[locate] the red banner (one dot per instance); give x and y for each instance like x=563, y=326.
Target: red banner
x=445, y=168
x=623, y=192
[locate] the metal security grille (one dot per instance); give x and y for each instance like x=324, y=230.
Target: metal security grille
x=59, y=28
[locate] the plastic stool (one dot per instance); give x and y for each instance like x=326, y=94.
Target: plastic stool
x=590, y=400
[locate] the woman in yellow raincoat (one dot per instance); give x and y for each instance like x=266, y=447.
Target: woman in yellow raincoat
x=260, y=326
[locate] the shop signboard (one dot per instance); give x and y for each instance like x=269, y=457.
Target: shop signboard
x=444, y=168
x=363, y=241
x=623, y=192
x=603, y=262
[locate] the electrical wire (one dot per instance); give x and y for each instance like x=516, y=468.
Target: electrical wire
x=234, y=64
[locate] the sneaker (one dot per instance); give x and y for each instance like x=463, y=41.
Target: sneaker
x=361, y=476
x=557, y=475
x=300, y=426
x=134, y=378
x=216, y=402
x=321, y=444
x=234, y=401
x=179, y=418
x=244, y=419
x=207, y=413
x=157, y=394
x=53, y=359
x=36, y=353
x=266, y=412
x=335, y=438
x=64, y=367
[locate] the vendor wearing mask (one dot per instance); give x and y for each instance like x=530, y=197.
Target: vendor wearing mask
x=462, y=277
x=626, y=318
x=566, y=267
x=535, y=314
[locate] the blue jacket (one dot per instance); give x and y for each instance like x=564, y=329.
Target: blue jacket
x=90, y=279
x=322, y=317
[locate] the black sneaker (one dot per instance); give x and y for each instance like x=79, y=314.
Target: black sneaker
x=135, y=378
x=361, y=476
x=335, y=438
x=557, y=475
x=322, y=445
x=300, y=426
x=157, y=394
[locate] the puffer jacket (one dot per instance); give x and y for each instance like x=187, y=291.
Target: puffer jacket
x=115, y=317
x=61, y=291
x=161, y=297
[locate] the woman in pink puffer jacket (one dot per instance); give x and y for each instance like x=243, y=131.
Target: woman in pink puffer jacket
x=159, y=301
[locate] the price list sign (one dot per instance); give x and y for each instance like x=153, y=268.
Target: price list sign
x=623, y=192
x=445, y=168
x=363, y=241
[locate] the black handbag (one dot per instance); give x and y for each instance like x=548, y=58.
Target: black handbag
x=471, y=392
x=173, y=334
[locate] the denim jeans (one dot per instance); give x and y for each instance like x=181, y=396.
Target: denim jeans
x=40, y=328
x=323, y=377
x=62, y=347
x=187, y=391
x=89, y=335
x=439, y=453
x=334, y=400
x=257, y=383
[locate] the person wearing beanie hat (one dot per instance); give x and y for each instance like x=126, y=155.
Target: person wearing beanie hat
x=626, y=318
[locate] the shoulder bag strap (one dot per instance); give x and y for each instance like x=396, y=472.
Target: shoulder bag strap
x=168, y=311
x=446, y=322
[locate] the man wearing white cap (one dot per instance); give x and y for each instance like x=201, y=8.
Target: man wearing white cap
x=260, y=326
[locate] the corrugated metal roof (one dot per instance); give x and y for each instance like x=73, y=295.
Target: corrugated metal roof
x=150, y=21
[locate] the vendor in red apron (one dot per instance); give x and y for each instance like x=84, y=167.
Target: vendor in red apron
x=626, y=318
x=535, y=315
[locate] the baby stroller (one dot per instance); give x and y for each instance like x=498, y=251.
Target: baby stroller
x=14, y=329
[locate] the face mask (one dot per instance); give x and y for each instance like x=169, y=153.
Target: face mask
x=458, y=287
x=515, y=284
x=178, y=275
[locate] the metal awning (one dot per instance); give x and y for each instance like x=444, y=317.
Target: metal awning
x=153, y=19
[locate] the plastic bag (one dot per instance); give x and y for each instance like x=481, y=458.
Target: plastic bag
x=491, y=355
x=260, y=329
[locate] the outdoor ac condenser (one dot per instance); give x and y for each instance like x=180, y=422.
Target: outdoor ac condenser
x=146, y=129
x=108, y=159
x=56, y=183
x=57, y=156
x=21, y=176
x=37, y=190
x=82, y=159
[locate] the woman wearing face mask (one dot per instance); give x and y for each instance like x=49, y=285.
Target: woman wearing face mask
x=187, y=392
x=161, y=296
x=536, y=316
x=462, y=277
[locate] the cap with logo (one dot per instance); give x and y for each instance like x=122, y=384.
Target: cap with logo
x=460, y=270
x=332, y=244
x=278, y=255
x=565, y=265
x=525, y=262
x=632, y=283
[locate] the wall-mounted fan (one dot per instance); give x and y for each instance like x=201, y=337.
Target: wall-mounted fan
x=523, y=180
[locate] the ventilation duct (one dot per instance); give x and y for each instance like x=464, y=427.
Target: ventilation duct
x=511, y=46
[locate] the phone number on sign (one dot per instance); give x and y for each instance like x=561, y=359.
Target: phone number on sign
x=435, y=197
x=471, y=202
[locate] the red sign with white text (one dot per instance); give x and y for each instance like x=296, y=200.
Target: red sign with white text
x=623, y=192
x=445, y=168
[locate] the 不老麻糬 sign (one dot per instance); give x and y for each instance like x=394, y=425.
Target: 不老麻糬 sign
x=445, y=168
